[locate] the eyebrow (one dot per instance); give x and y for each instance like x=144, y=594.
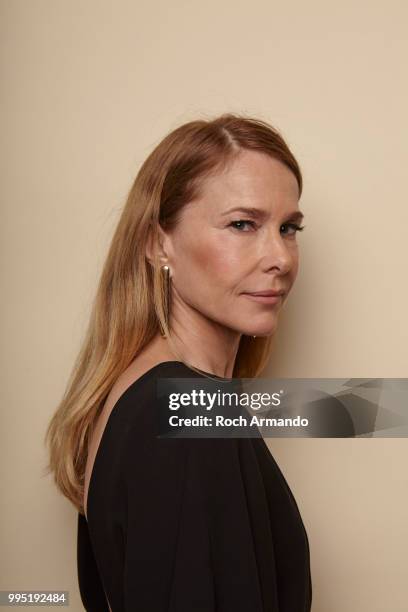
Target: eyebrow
x=257, y=213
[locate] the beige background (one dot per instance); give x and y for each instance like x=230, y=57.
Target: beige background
x=89, y=88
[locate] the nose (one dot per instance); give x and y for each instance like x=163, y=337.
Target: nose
x=278, y=254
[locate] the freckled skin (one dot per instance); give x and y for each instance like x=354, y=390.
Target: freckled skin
x=212, y=263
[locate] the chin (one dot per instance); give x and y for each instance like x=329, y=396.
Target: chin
x=262, y=332
x=266, y=330
x=261, y=328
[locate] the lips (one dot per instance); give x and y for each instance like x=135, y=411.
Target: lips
x=264, y=299
x=267, y=293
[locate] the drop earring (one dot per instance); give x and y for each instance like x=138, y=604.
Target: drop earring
x=165, y=271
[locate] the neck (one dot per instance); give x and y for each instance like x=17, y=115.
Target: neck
x=214, y=351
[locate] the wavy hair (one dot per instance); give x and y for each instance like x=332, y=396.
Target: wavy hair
x=129, y=306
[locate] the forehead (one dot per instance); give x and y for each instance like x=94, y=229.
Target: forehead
x=252, y=179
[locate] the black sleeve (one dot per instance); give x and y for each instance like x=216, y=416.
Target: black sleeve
x=194, y=541
x=90, y=585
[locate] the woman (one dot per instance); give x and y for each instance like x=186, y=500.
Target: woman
x=183, y=525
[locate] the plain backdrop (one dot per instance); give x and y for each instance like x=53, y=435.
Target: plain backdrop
x=89, y=87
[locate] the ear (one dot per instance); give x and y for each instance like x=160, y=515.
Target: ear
x=155, y=243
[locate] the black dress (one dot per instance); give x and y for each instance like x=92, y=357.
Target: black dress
x=187, y=525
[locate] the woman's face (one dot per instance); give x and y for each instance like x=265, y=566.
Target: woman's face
x=218, y=255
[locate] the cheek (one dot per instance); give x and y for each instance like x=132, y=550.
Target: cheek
x=207, y=263
x=216, y=258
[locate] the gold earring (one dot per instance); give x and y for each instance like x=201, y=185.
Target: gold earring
x=166, y=292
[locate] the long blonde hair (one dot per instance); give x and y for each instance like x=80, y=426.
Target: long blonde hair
x=128, y=308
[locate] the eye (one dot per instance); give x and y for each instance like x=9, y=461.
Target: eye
x=294, y=227
x=241, y=221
